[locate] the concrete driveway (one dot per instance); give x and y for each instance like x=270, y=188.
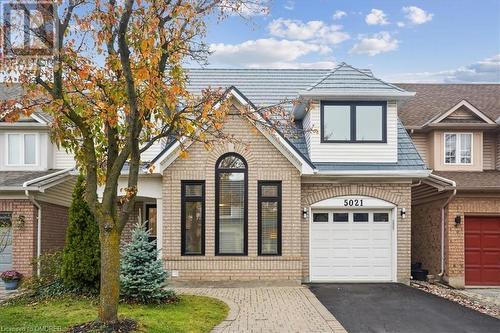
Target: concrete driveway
x=398, y=308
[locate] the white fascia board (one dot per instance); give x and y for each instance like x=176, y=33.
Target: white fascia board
x=469, y=106
x=45, y=177
x=377, y=173
x=38, y=118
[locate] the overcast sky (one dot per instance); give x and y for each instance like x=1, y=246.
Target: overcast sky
x=416, y=41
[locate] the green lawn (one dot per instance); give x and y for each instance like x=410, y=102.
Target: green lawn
x=190, y=314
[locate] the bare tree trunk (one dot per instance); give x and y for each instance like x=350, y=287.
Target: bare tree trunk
x=110, y=271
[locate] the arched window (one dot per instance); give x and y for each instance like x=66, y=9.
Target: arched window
x=231, y=206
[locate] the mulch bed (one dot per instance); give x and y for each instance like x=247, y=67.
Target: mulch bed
x=121, y=326
x=455, y=296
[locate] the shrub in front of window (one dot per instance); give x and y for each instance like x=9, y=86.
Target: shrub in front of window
x=81, y=257
x=143, y=278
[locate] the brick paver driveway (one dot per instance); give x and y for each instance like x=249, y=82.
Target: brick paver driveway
x=271, y=309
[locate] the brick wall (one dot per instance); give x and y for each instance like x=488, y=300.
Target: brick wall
x=265, y=162
x=54, y=224
x=23, y=235
x=426, y=235
x=398, y=194
x=454, y=235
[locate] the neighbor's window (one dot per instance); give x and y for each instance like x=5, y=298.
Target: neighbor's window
x=231, y=205
x=193, y=217
x=269, y=218
x=21, y=149
x=353, y=122
x=458, y=148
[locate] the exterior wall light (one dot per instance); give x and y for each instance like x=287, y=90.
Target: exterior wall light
x=305, y=212
x=402, y=212
x=458, y=220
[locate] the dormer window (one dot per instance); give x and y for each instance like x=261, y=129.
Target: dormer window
x=458, y=148
x=21, y=149
x=354, y=122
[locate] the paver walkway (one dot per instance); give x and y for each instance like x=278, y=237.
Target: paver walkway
x=271, y=310
x=490, y=296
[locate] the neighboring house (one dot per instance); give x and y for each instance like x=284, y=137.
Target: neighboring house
x=332, y=204
x=456, y=211
x=35, y=189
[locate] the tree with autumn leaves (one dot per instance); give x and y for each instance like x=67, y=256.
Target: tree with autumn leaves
x=116, y=85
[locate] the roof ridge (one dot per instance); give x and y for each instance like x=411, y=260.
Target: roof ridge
x=376, y=78
x=325, y=76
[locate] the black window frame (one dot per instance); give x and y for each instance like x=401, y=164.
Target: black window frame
x=148, y=205
x=262, y=199
x=218, y=171
x=352, y=105
x=185, y=199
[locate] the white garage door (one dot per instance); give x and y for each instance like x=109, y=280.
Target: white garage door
x=351, y=245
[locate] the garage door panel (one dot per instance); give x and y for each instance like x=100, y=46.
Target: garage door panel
x=482, y=250
x=351, y=251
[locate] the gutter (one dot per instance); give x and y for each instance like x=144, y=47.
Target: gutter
x=377, y=173
x=50, y=175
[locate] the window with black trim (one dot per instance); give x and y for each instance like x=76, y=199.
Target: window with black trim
x=151, y=219
x=269, y=219
x=354, y=122
x=231, y=206
x=193, y=217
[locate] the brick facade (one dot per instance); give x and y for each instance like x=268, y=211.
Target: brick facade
x=426, y=235
x=24, y=230
x=463, y=205
x=398, y=194
x=265, y=162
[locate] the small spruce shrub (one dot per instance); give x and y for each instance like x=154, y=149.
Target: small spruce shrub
x=81, y=257
x=142, y=277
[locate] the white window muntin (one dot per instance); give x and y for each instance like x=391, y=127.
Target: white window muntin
x=459, y=152
x=21, y=147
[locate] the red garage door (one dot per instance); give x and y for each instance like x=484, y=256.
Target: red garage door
x=482, y=251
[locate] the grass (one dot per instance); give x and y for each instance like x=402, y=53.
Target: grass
x=190, y=314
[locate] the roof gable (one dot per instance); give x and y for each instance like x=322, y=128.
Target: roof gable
x=345, y=80
x=463, y=112
x=294, y=155
x=433, y=100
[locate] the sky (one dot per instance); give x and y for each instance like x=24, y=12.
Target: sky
x=400, y=41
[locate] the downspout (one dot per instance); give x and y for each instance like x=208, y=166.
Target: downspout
x=441, y=273
x=38, y=230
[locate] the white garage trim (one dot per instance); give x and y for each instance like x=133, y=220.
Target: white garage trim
x=357, y=203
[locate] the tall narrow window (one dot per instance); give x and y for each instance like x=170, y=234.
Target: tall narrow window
x=193, y=217
x=458, y=148
x=231, y=185
x=269, y=218
x=151, y=218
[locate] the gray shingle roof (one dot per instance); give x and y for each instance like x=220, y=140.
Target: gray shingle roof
x=17, y=178
x=264, y=87
x=345, y=78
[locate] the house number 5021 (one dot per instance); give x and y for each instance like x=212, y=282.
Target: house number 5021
x=353, y=203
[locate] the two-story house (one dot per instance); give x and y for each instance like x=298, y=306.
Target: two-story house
x=35, y=189
x=456, y=211
x=330, y=203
